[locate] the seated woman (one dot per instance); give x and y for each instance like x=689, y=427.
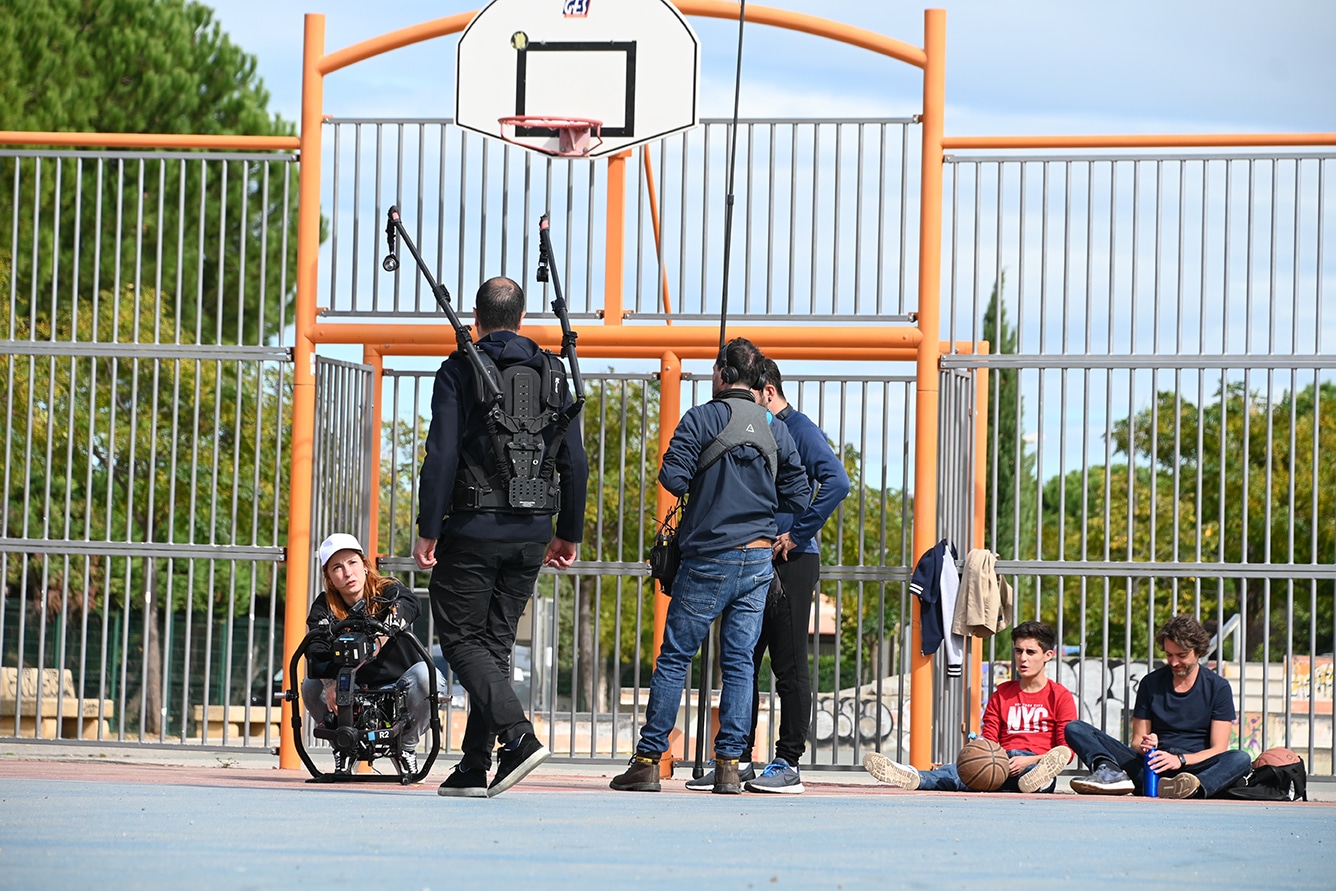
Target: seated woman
x=349, y=580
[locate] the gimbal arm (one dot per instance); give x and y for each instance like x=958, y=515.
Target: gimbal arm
x=394, y=229
x=568, y=336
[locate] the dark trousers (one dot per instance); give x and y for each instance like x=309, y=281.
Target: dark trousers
x=784, y=633
x=478, y=591
x=1216, y=773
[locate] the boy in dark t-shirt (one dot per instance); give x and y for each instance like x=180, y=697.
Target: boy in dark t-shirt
x=1184, y=711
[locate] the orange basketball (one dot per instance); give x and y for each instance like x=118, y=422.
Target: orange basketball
x=982, y=765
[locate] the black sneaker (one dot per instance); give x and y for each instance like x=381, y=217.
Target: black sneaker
x=705, y=783
x=343, y=764
x=407, y=763
x=514, y=764
x=464, y=783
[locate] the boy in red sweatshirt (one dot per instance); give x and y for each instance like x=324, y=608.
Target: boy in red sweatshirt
x=1026, y=717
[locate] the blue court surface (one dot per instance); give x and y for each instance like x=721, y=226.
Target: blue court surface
x=84, y=824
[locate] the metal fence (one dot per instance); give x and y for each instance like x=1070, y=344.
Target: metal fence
x=1159, y=405
x=473, y=204
x=144, y=443
x=584, y=654
x=1162, y=396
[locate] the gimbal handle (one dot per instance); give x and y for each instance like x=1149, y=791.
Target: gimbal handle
x=394, y=227
x=559, y=310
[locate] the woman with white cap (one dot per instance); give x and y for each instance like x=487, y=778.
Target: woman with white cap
x=349, y=580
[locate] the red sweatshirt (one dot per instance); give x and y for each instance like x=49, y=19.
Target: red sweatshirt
x=1032, y=721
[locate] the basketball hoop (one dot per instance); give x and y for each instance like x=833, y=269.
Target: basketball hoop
x=576, y=137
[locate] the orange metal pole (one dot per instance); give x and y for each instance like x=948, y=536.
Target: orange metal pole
x=654, y=220
x=794, y=21
x=1179, y=140
x=371, y=356
x=649, y=340
x=615, y=240
x=151, y=140
x=929, y=320
x=303, y=390
x=451, y=24
x=670, y=411
x=973, y=716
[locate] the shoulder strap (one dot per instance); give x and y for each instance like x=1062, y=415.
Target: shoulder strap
x=748, y=424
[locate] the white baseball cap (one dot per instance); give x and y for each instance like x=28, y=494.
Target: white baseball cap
x=339, y=541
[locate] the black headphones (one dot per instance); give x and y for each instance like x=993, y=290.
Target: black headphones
x=728, y=374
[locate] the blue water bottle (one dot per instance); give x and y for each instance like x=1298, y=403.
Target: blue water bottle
x=1150, y=782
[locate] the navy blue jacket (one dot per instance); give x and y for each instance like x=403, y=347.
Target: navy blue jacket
x=825, y=474
x=735, y=499
x=457, y=424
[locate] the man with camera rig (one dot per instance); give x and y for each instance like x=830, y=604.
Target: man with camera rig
x=484, y=549
x=738, y=468
x=353, y=587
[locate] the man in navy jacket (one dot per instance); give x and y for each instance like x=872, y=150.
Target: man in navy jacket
x=726, y=538
x=484, y=562
x=784, y=629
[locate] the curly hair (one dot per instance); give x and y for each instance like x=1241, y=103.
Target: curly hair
x=1187, y=632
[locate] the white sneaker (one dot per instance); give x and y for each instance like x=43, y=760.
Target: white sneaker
x=903, y=775
x=1046, y=769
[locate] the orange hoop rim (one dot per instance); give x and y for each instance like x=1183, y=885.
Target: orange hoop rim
x=572, y=125
x=553, y=122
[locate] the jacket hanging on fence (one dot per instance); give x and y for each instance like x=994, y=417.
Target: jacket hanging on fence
x=935, y=584
x=983, y=607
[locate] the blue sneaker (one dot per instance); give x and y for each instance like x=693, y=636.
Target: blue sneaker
x=778, y=776
x=1106, y=779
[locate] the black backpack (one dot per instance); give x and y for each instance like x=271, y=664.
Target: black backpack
x=1273, y=782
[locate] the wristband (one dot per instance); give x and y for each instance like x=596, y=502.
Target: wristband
x=1183, y=760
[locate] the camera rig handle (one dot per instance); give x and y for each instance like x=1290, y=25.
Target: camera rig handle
x=394, y=230
x=568, y=336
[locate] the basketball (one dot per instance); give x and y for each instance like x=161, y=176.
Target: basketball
x=983, y=765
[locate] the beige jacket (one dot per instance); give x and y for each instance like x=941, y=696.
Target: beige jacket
x=984, y=604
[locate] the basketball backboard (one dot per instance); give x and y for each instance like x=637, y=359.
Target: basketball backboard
x=633, y=65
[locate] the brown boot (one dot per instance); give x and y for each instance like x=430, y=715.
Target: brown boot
x=641, y=776
x=726, y=780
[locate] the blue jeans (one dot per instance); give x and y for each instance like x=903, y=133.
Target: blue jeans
x=732, y=584
x=419, y=709
x=947, y=779
x=1216, y=773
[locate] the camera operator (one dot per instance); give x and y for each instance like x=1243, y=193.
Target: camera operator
x=353, y=587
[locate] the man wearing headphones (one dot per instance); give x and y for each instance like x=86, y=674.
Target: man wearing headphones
x=738, y=469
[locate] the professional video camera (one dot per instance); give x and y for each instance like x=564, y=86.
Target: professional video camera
x=369, y=720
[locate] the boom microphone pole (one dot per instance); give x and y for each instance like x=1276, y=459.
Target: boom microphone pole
x=707, y=667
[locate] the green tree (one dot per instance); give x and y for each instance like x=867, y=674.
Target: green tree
x=143, y=66
x=1268, y=491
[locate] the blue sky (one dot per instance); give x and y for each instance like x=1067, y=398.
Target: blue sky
x=1022, y=67
x=1026, y=66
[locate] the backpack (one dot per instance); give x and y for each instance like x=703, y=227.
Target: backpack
x=1278, y=774
x=526, y=431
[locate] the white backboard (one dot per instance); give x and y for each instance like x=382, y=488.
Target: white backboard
x=634, y=65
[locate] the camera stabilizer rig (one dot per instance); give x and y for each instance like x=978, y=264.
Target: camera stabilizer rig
x=370, y=721
x=525, y=444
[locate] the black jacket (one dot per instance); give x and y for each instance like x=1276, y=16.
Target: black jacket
x=457, y=425
x=395, y=658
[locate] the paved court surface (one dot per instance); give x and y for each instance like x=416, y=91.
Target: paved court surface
x=211, y=820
